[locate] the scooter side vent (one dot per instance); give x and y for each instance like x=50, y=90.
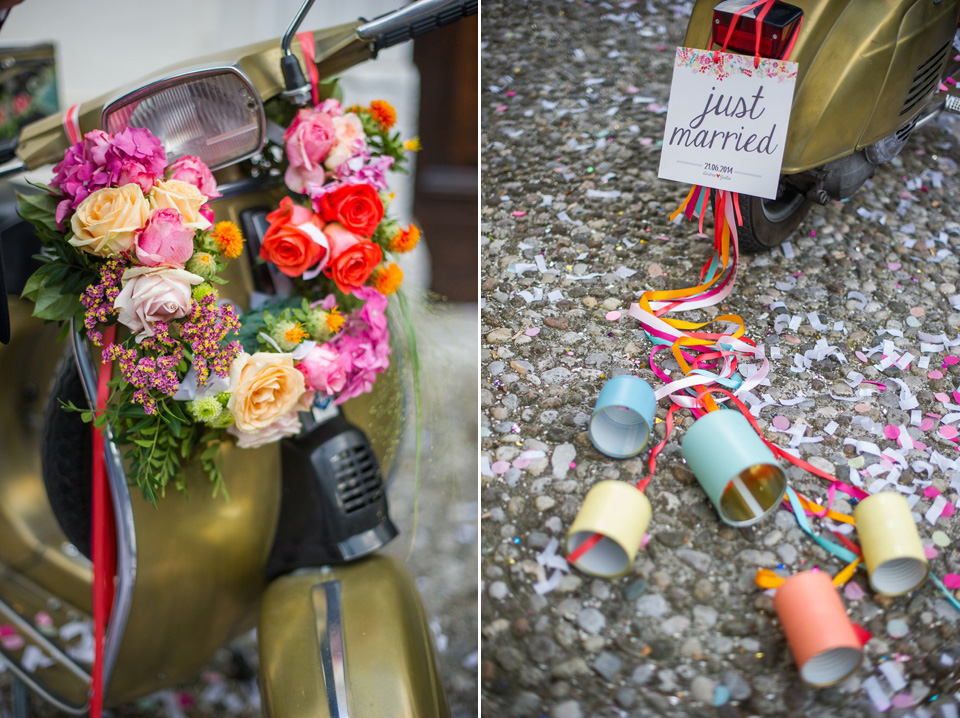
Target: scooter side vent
x=925, y=80
x=358, y=478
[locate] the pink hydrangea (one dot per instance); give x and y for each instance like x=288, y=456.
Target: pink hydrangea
x=364, y=344
x=100, y=160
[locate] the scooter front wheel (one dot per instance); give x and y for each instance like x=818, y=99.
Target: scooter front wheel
x=767, y=223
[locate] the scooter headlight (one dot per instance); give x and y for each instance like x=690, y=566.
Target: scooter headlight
x=212, y=113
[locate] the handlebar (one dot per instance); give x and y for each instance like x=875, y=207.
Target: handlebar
x=413, y=21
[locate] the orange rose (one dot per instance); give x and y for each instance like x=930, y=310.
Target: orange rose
x=356, y=206
x=351, y=258
x=295, y=240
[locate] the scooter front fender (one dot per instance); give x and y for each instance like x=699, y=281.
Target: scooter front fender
x=866, y=69
x=348, y=640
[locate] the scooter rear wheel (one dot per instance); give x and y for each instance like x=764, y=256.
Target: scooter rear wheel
x=767, y=223
x=66, y=457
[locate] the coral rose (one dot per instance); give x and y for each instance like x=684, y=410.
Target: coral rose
x=164, y=240
x=154, y=294
x=355, y=206
x=294, y=241
x=265, y=387
x=106, y=221
x=351, y=259
x=183, y=197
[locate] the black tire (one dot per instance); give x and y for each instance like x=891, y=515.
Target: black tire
x=769, y=222
x=67, y=455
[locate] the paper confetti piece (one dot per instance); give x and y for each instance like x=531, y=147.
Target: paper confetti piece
x=892, y=673
x=876, y=694
x=500, y=467
x=853, y=591
x=951, y=580
x=613, y=316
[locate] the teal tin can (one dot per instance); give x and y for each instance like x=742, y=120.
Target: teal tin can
x=623, y=417
x=737, y=470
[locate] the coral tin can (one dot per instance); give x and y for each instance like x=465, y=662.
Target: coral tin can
x=622, y=417
x=733, y=465
x=890, y=543
x=620, y=513
x=821, y=638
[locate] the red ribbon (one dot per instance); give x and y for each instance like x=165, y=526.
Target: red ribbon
x=104, y=540
x=306, y=46
x=71, y=123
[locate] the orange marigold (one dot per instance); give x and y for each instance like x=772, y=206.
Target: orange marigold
x=405, y=240
x=228, y=239
x=296, y=334
x=386, y=280
x=335, y=320
x=383, y=113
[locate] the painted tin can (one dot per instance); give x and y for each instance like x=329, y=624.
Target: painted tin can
x=890, y=543
x=733, y=465
x=620, y=513
x=622, y=417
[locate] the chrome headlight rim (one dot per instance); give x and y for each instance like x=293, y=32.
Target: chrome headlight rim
x=135, y=94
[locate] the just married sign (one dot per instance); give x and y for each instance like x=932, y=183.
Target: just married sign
x=727, y=121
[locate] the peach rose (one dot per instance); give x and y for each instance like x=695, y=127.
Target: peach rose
x=183, y=197
x=105, y=222
x=350, y=140
x=265, y=386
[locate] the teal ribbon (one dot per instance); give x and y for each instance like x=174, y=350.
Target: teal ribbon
x=837, y=550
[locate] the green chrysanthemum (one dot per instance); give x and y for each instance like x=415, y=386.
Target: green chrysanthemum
x=205, y=409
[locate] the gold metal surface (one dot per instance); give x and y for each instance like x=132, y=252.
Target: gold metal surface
x=390, y=663
x=766, y=483
x=857, y=59
x=31, y=541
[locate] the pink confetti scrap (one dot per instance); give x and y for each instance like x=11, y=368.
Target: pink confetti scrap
x=935, y=374
x=532, y=331
x=613, y=316
x=951, y=580
x=948, y=432
x=500, y=467
x=519, y=213
x=951, y=359
x=930, y=552
x=781, y=422
x=948, y=511
x=853, y=591
x=891, y=432
x=893, y=266
x=931, y=492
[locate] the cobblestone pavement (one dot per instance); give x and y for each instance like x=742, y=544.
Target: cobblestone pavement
x=859, y=314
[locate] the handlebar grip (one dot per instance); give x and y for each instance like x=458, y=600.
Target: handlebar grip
x=423, y=25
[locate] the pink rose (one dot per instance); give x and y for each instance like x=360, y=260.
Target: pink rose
x=308, y=141
x=133, y=172
x=153, y=294
x=164, y=240
x=322, y=370
x=206, y=211
x=193, y=170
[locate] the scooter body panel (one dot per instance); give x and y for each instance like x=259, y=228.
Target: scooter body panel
x=386, y=664
x=866, y=69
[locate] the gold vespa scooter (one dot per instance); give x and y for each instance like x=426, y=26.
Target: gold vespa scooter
x=337, y=636
x=868, y=75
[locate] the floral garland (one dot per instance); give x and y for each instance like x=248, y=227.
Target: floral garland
x=129, y=239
